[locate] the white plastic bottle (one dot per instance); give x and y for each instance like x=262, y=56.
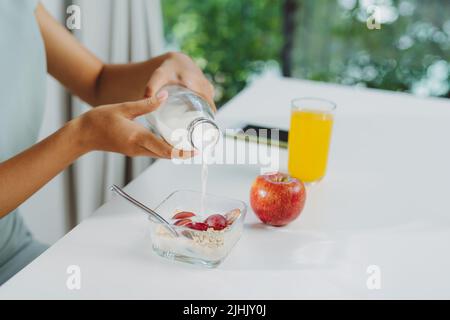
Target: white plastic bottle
x=185, y=120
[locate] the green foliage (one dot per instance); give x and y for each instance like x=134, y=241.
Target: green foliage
x=409, y=53
x=230, y=39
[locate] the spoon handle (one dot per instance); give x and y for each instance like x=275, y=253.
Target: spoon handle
x=143, y=207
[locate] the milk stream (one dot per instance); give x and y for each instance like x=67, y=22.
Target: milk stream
x=204, y=178
x=186, y=122
x=207, y=153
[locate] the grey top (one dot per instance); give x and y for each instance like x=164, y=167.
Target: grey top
x=22, y=95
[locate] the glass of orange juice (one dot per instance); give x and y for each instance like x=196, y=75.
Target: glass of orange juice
x=309, y=138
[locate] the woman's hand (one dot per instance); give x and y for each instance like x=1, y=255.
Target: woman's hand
x=108, y=128
x=111, y=128
x=178, y=68
x=98, y=83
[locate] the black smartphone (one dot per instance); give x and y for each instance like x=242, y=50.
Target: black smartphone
x=261, y=134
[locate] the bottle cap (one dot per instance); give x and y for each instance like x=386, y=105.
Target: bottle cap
x=203, y=133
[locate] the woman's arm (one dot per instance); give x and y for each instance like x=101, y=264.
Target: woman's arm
x=68, y=61
x=24, y=174
x=97, y=83
x=106, y=128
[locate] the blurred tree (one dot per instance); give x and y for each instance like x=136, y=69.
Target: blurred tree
x=326, y=40
x=411, y=51
x=230, y=39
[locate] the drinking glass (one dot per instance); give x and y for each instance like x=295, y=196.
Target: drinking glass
x=309, y=138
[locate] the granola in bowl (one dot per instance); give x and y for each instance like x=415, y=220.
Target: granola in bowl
x=200, y=240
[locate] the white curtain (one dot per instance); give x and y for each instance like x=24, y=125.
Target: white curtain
x=117, y=31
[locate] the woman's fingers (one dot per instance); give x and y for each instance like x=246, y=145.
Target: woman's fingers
x=158, y=79
x=143, y=152
x=156, y=145
x=162, y=149
x=194, y=80
x=111, y=128
x=183, y=154
x=137, y=108
x=142, y=138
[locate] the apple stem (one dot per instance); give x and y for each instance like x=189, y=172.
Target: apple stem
x=281, y=179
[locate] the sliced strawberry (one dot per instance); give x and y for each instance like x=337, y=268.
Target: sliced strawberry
x=216, y=221
x=182, y=222
x=232, y=215
x=183, y=215
x=197, y=226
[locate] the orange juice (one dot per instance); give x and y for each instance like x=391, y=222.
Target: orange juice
x=308, y=144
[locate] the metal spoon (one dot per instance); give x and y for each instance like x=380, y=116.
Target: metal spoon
x=152, y=214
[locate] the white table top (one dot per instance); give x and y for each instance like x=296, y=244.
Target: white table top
x=384, y=202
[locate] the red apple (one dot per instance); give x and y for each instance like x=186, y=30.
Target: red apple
x=277, y=198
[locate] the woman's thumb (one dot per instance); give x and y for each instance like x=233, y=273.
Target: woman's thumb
x=141, y=107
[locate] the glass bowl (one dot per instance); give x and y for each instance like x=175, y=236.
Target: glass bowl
x=208, y=248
